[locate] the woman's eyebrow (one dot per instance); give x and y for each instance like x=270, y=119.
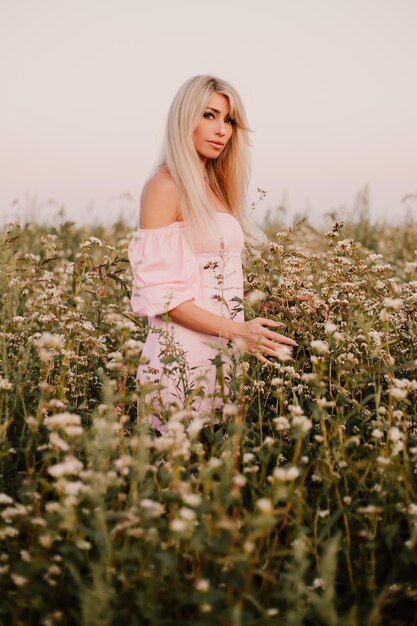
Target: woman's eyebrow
x=216, y=110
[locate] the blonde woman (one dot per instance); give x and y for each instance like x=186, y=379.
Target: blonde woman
x=186, y=254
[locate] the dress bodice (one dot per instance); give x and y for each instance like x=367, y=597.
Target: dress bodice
x=168, y=271
x=231, y=236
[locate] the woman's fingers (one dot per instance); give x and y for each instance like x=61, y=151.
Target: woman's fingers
x=264, y=321
x=261, y=339
x=269, y=334
x=271, y=348
x=263, y=342
x=261, y=358
x=274, y=345
x=273, y=335
x=283, y=352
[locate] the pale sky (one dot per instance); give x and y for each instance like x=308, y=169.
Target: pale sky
x=329, y=88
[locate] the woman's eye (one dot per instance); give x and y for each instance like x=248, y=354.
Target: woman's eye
x=230, y=121
x=205, y=114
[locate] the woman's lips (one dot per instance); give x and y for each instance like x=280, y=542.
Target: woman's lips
x=216, y=145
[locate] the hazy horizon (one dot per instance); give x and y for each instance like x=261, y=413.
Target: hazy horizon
x=328, y=86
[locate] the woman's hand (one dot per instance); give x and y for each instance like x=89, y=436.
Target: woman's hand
x=259, y=339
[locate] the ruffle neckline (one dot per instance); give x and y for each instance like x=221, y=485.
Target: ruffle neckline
x=178, y=223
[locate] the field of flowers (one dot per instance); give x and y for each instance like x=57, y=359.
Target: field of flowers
x=299, y=509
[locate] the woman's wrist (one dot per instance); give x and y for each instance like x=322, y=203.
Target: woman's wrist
x=230, y=329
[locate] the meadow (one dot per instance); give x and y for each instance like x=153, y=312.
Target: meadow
x=299, y=509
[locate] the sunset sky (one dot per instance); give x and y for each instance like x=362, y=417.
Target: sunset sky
x=329, y=88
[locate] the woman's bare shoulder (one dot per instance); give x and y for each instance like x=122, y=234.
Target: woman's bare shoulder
x=159, y=201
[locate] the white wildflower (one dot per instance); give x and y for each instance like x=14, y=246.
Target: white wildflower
x=255, y=296
x=330, y=328
x=10, y=513
x=286, y=474
x=96, y=241
x=377, y=433
x=8, y=531
x=58, y=443
x=398, y=394
x=202, y=585
x=302, y=423
x=46, y=541
x=19, y=581
x=295, y=409
x=153, y=509
x=248, y=547
x=265, y=506
x=70, y=465
x=178, y=525
x=132, y=347
x=412, y=508
x=73, y=488
x=281, y=423
x=322, y=347
x=308, y=377
x=284, y=353
x=393, y=303
x=195, y=427
x=187, y=514
x=25, y=554
x=395, y=434
x=192, y=499
x=70, y=423
x=230, y=409
x=376, y=337
x=239, y=480
x=370, y=510
x=384, y=315
x=5, y=384
x=123, y=464
x=214, y=463
x=49, y=340
x=323, y=403
x=5, y=499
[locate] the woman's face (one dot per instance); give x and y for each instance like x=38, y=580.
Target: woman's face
x=214, y=128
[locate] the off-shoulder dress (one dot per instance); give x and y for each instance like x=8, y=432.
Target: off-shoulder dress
x=166, y=272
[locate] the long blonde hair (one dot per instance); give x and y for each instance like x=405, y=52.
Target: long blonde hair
x=228, y=175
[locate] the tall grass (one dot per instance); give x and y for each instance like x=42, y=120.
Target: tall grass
x=300, y=508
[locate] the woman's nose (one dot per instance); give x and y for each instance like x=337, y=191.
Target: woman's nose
x=221, y=127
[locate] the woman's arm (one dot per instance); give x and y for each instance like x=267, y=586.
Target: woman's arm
x=256, y=334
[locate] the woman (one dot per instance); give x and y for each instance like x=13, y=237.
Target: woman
x=186, y=254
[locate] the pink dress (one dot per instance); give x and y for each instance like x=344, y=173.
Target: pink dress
x=167, y=272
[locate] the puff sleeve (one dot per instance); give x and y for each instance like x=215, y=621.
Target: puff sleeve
x=165, y=269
